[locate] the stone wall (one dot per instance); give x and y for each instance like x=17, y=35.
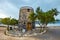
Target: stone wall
x=23, y=16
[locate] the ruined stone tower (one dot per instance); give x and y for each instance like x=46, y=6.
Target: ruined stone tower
x=24, y=21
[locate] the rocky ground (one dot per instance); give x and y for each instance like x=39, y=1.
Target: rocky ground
x=52, y=34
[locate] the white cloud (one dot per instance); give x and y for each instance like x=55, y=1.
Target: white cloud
x=7, y=5
x=8, y=9
x=2, y=14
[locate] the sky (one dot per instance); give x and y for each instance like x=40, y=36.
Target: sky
x=11, y=7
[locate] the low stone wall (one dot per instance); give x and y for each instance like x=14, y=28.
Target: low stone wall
x=29, y=33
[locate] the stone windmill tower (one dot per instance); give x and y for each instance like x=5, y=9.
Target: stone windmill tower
x=24, y=21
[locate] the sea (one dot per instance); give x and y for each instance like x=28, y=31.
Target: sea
x=57, y=23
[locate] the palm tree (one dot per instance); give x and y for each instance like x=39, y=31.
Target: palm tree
x=46, y=17
x=32, y=17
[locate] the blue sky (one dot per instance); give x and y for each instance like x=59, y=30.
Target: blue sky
x=11, y=7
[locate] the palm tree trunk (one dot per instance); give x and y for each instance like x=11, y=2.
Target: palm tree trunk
x=44, y=26
x=8, y=27
x=33, y=25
